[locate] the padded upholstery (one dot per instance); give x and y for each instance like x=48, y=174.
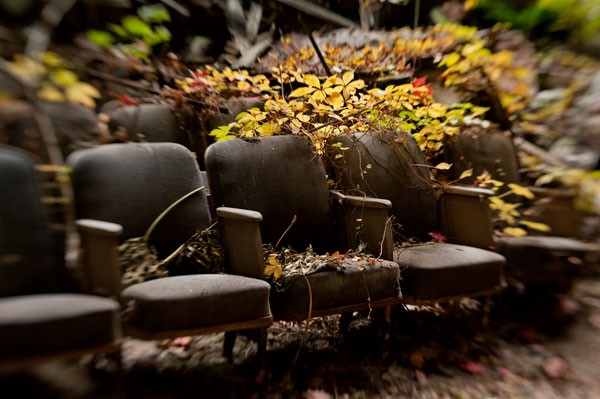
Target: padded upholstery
x=430, y=271
x=491, y=151
x=436, y=270
x=43, y=322
x=187, y=302
x=157, y=123
x=279, y=177
x=333, y=289
x=51, y=323
x=542, y=260
x=393, y=175
x=131, y=184
x=26, y=259
x=116, y=183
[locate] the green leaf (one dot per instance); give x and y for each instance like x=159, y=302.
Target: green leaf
x=100, y=37
x=136, y=27
x=154, y=14
x=119, y=30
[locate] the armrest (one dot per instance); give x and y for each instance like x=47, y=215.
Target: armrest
x=466, y=216
x=242, y=241
x=556, y=208
x=544, y=192
x=366, y=220
x=469, y=191
x=100, y=242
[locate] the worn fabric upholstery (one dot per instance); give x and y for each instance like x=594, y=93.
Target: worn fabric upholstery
x=35, y=319
x=436, y=270
x=536, y=260
x=429, y=271
x=116, y=183
x=156, y=123
x=281, y=177
x=131, y=184
x=51, y=323
x=187, y=302
x=394, y=175
x=357, y=283
x=492, y=152
x=26, y=259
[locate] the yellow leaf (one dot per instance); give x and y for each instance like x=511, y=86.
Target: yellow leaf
x=520, y=190
x=301, y=92
x=536, y=226
x=50, y=93
x=515, y=231
x=437, y=110
x=303, y=117
x=451, y=59
x=64, y=77
x=443, y=166
x=52, y=60
x=273, y=268
x=82, y=93
x=312, y=81
x=335, y=100
x=348, y=77
x=243, y=85
x=466, y=173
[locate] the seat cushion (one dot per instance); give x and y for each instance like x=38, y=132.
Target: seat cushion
x=196, y=301
x=44, y=324
x=434, y=271
x=354, y=285
x=542, y=260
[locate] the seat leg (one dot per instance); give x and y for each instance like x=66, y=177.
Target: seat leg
x=261, y=353
x=230, y=337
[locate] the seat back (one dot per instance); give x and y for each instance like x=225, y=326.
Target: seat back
x=132, y=184
x=27, y=263
x=280, y=177
x=491, y=151
x=387, y=166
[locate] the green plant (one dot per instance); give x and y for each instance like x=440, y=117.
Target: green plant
x=136, y=35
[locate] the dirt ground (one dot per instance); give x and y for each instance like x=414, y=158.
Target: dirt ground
x=522, y=348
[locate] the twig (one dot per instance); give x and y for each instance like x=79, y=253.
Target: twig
x=317, y=11
x=167, y=210
x=286, y=231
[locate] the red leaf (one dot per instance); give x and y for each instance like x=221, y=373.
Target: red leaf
x=125, y=99
x=439, y=237
x=419, y=81
x=474, y=367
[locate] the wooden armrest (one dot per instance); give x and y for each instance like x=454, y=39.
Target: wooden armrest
x=469, y=191
x=99, y=243
x=365, y=220
x=240, y=229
